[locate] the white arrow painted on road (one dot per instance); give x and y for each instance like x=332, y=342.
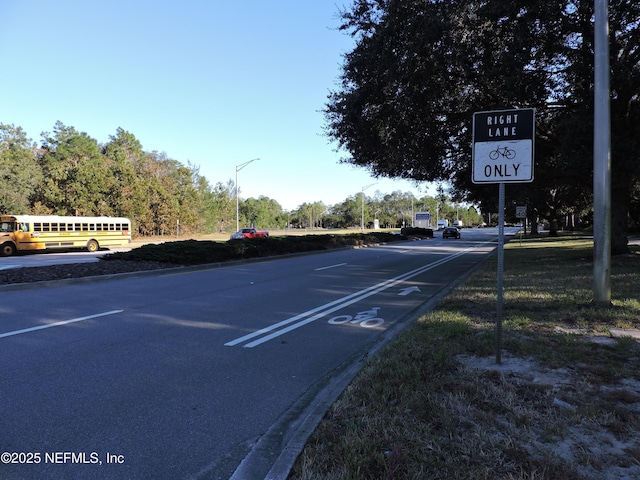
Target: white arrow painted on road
x=406, y=291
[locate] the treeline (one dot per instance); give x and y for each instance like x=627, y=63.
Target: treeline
x=70, y=173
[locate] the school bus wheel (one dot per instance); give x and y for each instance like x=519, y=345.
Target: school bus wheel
x=92, y=246
x=7, y=249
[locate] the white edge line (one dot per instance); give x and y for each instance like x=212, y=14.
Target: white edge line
x=57, y=324
x=364, y=294
x=275, y=326
x=342, y=302
x=330, y=266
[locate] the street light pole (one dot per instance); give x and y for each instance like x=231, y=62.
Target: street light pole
x=601, y=160
x=362, y=220
x=238, y=168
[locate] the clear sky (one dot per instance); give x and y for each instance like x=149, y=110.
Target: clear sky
x=209, y=82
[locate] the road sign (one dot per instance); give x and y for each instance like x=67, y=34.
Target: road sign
x=521, y=212
x=423, y=219
x=503, y=142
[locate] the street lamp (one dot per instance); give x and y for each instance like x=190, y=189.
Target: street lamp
x=363, y=189
x=238, y=168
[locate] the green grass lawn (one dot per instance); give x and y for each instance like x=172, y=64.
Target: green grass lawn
x=563, y=403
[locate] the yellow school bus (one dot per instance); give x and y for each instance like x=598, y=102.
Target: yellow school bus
x=42, y=232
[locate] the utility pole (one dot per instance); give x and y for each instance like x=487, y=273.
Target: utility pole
x=601, y=161
x=238, y=168
x=362, y=218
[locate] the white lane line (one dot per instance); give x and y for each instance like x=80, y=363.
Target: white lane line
x=330, y=266
x=57, y=324
x=319, y=312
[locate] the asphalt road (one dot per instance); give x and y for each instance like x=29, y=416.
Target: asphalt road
x=179, y=376
x=31, y=259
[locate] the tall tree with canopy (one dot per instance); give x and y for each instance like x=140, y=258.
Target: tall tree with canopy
x=19, y=171
x=74, y=181
x=420, y=68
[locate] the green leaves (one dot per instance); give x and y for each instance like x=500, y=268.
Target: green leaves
x=19, y=173
x=420, y=68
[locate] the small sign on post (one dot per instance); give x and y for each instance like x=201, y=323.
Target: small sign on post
x=503, y=142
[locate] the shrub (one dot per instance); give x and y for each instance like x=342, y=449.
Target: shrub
x=196, y=252
x=416, y=231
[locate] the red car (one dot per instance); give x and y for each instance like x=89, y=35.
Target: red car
x=249, y=233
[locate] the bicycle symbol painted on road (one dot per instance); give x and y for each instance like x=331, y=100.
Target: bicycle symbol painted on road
x=504, y=152
x=366, y=318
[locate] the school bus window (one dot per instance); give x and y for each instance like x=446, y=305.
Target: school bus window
x=77, y=227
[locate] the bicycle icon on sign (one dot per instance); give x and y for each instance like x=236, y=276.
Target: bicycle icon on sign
x=366, y=319
x=505, y=152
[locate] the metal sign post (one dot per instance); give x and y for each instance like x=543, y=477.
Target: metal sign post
x=500, y=273
x=503, y=152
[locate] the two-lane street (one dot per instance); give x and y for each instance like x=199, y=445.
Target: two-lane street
x=179, y=375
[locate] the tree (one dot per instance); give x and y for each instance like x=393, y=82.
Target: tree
x=420, y=68
x=262, y=212
x=19, y=170
x=348, y=213
x=74, y=180
x=224, y=205
x=123, y=154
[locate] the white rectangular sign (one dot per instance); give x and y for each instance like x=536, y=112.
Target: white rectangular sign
x=503, y=146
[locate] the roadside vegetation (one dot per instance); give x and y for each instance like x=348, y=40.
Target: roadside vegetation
x=562, y=404
x=197, y=252
x=68, y=172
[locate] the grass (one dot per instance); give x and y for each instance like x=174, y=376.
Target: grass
x=563, y=403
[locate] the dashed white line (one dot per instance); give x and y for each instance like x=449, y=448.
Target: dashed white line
x=330, y=266
x=57, y=324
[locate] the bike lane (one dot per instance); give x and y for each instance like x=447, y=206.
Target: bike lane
x=401, y=285
x=370, y=318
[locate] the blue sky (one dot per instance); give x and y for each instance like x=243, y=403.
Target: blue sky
x=209, y=82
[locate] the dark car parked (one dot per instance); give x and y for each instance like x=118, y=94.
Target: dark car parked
x=451, y=232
